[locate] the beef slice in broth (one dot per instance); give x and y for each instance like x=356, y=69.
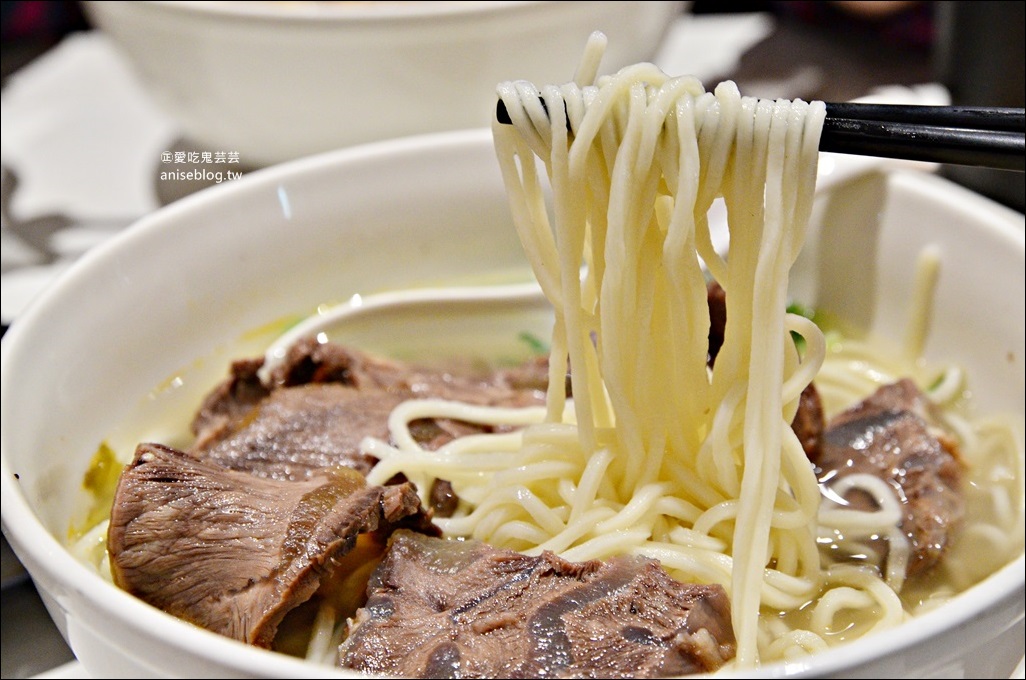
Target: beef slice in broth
x=325, y=398
x=233, y=552
x=440, y=608
x=808, y=422
x=892, y=435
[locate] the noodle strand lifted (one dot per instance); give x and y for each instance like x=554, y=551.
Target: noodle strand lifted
x=630, y=193
x=610, y=182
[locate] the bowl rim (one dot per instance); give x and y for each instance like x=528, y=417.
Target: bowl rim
x=304, y=12
x=28, y=535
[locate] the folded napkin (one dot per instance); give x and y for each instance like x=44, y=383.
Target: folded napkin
x=80, y=141
x=81, y=135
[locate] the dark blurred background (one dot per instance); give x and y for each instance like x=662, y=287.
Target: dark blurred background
x=975, y=49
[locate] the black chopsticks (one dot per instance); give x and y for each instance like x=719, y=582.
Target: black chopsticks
x=989, y=137
x=992, y=137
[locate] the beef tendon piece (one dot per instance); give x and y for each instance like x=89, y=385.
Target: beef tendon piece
x=442, y=608
x=232, y=552
x=892, y=435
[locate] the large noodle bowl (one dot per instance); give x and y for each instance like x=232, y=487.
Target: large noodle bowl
x=657, y=454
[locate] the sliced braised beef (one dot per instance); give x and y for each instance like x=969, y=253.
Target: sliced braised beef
x=530, y=375
x=233, y=552
x=808, y=421
x=717, y=318
x=891, y=435
x=324, y=399
x=230, y=401
x=296, y=432
x=441, y=608
x=309, y=361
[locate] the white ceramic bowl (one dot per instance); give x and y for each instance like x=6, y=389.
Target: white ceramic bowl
x=192, y=285
x=274, y=81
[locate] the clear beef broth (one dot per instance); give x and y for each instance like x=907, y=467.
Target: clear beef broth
x=461, y=379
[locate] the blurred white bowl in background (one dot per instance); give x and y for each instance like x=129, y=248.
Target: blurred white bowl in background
x=274, y=81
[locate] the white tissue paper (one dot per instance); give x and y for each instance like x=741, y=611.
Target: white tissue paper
x=80, y=143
